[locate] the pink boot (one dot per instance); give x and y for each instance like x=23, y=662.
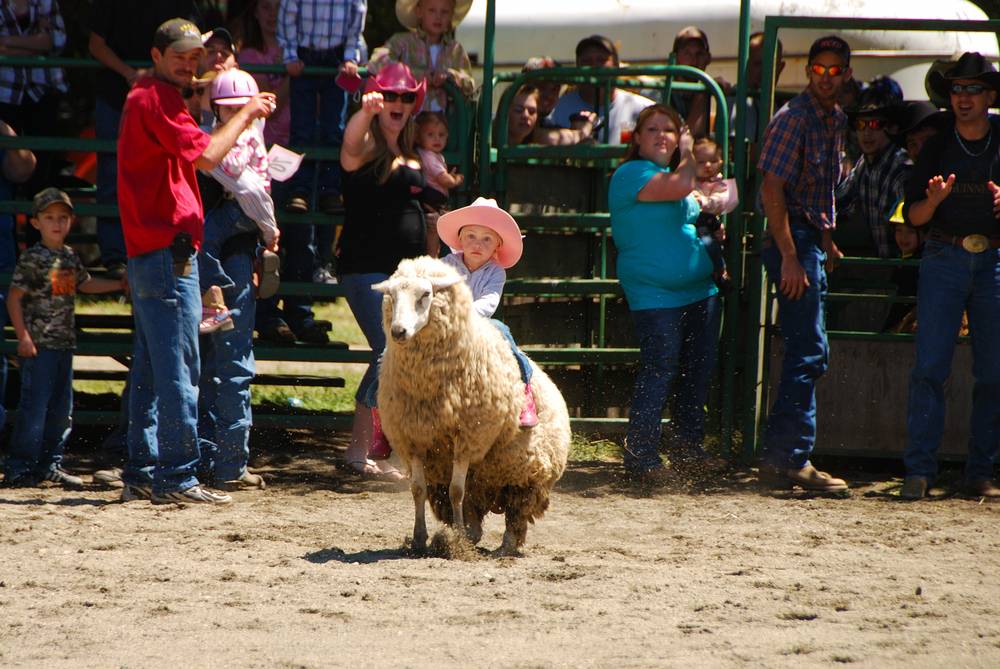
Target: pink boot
x=529, y=417
x=380, y=448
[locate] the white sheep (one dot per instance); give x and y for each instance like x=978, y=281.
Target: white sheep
x=449, y=397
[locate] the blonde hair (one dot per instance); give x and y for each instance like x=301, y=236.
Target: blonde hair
x=383, y=157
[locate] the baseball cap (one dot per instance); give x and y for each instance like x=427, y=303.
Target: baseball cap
x=833, y=44
x=222, y=34
x=690, y=33
x=600, y=42
x=178, y=34
x=48, y=197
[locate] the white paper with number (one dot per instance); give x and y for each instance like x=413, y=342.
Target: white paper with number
x=283, y=163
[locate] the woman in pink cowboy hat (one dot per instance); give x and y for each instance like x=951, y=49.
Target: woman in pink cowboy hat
x=383, y=224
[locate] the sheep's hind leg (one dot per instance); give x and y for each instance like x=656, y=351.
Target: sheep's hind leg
x=456, y=491
x=418, y=488
x=515, y=533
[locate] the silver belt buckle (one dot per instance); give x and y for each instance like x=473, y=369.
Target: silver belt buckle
x=975, y=243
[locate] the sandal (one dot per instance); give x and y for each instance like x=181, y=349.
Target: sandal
x=369, y=470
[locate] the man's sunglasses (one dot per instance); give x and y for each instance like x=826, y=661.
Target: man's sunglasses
x=971, y=89
x=871, y=123
x=832, y=70
x=405, y=98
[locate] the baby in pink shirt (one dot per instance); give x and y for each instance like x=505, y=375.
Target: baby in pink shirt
x=432, y=138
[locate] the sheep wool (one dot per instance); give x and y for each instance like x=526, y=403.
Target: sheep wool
x=450, y=395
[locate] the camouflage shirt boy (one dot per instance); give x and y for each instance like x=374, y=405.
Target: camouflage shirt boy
x=49, y=280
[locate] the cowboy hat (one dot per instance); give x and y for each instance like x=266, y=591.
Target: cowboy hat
x=397, y=78
x=915, y=115
x=486, y=213
x=407, y=15
x=971, y=65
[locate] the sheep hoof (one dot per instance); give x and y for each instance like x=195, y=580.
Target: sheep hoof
x=419, y=545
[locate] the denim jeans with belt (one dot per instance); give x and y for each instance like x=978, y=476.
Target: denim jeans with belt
x=43, y=415
x=677, y=354
x=791, y=427
x=227, y=367
x=163, y=380
x=318, y=107
x=952, y=280
x=110, y=238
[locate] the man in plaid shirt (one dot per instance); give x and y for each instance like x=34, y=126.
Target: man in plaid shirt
x=876, y=183
x=800, y=163
x=319, y=33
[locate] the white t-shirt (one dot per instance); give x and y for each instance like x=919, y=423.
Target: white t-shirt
x=625, y=108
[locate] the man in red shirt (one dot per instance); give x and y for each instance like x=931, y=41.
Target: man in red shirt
x=159, y=148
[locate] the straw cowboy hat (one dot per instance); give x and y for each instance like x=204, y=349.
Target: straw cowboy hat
x=397, y=78
x=971, y=65
x=406, y=13
x=486, y=213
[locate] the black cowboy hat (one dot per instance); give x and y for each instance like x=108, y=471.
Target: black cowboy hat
x=971, y=65
x=920, y=113
x=877, y=102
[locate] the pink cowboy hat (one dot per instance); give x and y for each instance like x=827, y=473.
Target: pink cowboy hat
x=397, y=78
x=486, y=213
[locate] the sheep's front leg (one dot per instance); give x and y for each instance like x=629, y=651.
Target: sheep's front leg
x=516, y=531
x=418, y=488
x=456, y=491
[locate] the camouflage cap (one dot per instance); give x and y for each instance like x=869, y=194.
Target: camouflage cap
x=48, y=197
x=178, y=34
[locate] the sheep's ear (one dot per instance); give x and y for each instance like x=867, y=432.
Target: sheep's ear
x=383, y=286
x=441, y=282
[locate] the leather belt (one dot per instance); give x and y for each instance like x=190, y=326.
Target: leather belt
x=971, y=243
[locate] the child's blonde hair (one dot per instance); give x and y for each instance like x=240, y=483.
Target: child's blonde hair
x=711, y=144
x=426, y=118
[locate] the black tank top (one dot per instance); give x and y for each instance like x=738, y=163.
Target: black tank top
x=383, y=223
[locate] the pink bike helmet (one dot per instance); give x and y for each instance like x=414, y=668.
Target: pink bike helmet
x=233, y=88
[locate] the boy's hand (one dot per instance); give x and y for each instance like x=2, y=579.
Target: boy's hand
x=372, y=103
x=295, y=68
x=349, y=68
x=26, y=347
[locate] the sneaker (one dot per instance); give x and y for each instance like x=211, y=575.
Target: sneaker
x=109, y=477
x=278, y=333
x=324, y=275
x=268, y=263
x=298, y=203
x=133, y=493
x=529, y=415
x=331, y=204
x=245, y=481
x=115, y=271
x=64, y=478
x=313, y=334
x=213, y=320
x=914, y=487
x=380, y=448
x=193, y=495
x=26, y=480
x=323, y=323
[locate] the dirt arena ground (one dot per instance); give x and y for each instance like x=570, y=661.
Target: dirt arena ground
x=314, y=572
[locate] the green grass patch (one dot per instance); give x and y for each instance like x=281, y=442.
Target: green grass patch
x=584, y=448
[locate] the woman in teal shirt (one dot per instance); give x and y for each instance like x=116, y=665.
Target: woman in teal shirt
x=667, y=277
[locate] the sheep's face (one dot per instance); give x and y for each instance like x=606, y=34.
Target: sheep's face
x=410, y=299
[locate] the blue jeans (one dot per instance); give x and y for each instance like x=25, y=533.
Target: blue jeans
x=952, y=281
x=676, y=358
x=44, y=414
x=318, y=107
x=299, y=246
x=109, y=230
x=221, y=223
x=163, y=380
x=227, y=367
x=366, y=305
x=791, y=428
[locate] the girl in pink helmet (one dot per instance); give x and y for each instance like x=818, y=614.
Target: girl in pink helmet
x=243, y=176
